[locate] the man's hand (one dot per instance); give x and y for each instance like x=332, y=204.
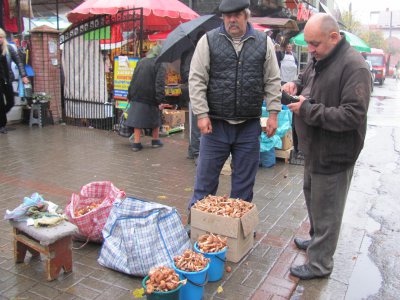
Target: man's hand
x=295, y=107
x=204, y=125
x=25, y=80
x=290, y=88
x=272, y=124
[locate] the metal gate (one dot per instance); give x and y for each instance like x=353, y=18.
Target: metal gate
x=89, y=50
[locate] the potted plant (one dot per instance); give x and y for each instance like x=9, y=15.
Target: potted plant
x=41, y=97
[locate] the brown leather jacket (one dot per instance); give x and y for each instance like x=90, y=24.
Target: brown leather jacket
x=336, y=111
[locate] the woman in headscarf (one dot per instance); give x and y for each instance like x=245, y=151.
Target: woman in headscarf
x=145, y=94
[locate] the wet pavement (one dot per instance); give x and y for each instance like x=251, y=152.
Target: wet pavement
x=57, y=160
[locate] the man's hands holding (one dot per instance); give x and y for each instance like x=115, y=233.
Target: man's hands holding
x=272, y=124
x=291, y=89
x=204, y=125
x=295, y=107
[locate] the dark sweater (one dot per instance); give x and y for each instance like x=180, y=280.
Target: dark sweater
x=147, y=84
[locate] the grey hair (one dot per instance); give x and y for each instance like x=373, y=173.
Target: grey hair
x=247, y=11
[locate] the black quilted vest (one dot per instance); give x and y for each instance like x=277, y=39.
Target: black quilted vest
x=236, y=89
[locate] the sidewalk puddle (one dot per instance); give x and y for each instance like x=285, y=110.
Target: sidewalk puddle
x=366, y=278
x=380, y=98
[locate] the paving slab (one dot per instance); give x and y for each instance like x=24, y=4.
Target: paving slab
x=57, y=160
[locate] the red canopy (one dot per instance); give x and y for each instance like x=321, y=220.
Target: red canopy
x=158, y=36
x=158, y=14
x=260, y=27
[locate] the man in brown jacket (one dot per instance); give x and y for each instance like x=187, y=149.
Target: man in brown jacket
x=334, y=91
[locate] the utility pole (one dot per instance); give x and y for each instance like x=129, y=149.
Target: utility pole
x=350, y=18
x=390, y=37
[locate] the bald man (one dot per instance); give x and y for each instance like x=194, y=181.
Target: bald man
x=331, y=119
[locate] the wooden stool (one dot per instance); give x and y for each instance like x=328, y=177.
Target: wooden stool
x=53, y=242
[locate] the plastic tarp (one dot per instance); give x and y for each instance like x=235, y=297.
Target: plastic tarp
x=284, y=124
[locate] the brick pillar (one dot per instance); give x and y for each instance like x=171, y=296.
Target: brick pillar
x=46, y=62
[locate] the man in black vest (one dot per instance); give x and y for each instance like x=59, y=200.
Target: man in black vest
x=233, y=69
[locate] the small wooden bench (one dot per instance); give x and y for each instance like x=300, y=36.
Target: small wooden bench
x=53, y=242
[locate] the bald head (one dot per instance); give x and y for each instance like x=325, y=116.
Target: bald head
x=321, y=34
x=324, y=23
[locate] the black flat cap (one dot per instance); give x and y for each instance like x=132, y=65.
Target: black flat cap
x=230, y=6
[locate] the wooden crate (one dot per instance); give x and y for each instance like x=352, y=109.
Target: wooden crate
x=285, y=154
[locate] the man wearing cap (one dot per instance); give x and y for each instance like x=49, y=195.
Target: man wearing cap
x=233, y=69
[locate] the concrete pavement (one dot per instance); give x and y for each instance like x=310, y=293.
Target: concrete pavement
x=57, y=160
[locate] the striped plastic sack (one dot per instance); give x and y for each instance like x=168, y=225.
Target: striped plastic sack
x=140, y=235
x=100, y=195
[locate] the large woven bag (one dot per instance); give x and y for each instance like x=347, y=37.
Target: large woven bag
x=141, y=235
x=100, y=195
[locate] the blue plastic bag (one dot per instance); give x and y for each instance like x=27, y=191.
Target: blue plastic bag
x=284, y=120
x=268, y=143
x=268, y=158
x=29, y=71
x=21, y=92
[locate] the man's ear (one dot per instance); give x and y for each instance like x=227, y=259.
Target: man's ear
x=335, y=36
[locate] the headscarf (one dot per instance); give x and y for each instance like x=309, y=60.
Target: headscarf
x=154, y=52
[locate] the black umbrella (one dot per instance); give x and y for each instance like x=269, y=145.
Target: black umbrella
x=184, y=37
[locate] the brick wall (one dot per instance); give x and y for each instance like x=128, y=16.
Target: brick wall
x=45, y=55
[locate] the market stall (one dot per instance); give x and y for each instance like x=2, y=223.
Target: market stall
x=100, y=52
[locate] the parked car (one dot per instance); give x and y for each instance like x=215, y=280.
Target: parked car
x=372, y=72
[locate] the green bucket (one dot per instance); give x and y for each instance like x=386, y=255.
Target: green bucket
x=170, y=295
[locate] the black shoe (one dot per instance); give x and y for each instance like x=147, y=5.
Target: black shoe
x=137, y=147
x=196, y=160
x=302, y=244
x=156, y=144
x=304, y=272
x=3, y=130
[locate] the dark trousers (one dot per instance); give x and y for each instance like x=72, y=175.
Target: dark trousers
x=194, y=135
x=6, y=101
x=325, y=199
x=242, y=142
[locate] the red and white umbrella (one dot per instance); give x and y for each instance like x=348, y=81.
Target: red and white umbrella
x=158, y=14
x=260, y=27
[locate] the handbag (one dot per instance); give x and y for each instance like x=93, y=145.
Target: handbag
x=124, y=130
